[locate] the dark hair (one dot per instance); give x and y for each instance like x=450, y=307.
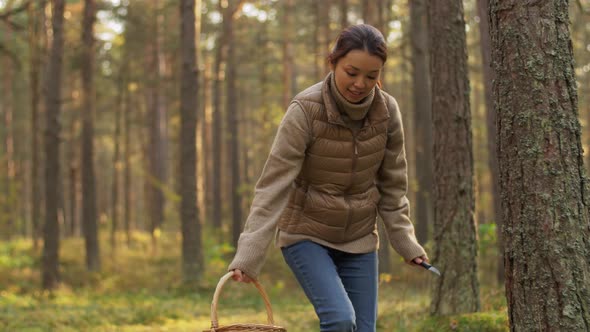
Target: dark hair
x=359, y=37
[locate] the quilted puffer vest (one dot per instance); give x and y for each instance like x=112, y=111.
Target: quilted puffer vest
x=334, y=196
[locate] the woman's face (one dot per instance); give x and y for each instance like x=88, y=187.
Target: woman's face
x=356, y=74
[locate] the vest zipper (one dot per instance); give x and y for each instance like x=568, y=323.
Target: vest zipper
x=352, y=173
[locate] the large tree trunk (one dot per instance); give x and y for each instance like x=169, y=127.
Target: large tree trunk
x=192, y=257
x=87, y=161
x=488, y=77
x=422, y=117
x=455, y=252
x=545, y=197
x=50, y=258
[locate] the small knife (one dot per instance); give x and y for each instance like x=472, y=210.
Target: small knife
x=430, y=268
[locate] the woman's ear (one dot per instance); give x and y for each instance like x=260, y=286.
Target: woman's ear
x=332, y=67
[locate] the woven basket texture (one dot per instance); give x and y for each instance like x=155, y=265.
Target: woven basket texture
x=247, y=328
x=242, y=327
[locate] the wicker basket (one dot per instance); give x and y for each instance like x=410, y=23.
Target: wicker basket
x=270, y=327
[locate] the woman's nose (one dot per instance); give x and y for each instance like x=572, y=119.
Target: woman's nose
x=359, y=83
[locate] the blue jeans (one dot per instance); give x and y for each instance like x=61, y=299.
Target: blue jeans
x=341, y=286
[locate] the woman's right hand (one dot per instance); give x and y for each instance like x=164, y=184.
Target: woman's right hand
x=240, y=276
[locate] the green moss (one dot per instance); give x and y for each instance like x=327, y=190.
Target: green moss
x=493, y=321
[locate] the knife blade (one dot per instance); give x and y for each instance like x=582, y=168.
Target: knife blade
x=430, y=268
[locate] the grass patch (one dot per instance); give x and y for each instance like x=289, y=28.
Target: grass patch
x=494, y=321
x=139, y=288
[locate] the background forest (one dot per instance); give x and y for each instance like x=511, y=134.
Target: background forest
x=126, y=229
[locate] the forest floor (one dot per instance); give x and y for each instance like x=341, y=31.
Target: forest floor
x=139, y=289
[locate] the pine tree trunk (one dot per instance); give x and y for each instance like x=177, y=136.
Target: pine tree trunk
x=157, y=137
x=73, y=185
x=73, y=198
x=217, y=135
x=192, y=259
x=232, y=127
x=545, y=197
x=50, y=258
x=36, y=20
x=208, y=140
x=8, y=215
x=87, y=157
x=127, y=206
x=422, y=118
x=455, y=247
x=119, y=108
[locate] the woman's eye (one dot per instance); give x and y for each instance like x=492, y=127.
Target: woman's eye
x=351, y=74
x=371, y=78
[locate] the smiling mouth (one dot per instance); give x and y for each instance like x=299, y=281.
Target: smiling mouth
x=356, y=94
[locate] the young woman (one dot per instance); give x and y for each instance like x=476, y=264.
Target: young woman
x=337, y=161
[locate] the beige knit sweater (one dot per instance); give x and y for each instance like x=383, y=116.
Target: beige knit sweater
x=274, y=185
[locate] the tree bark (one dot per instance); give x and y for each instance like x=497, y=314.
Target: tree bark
x=50, y=257
x=87, y=161
x=455, y=247
x=192, y=259
x=545, y=194
x=422, y=118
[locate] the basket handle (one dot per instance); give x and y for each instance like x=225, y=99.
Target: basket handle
x=221, y=283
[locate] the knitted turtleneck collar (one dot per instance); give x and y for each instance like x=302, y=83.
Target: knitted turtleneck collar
x=354, y=111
